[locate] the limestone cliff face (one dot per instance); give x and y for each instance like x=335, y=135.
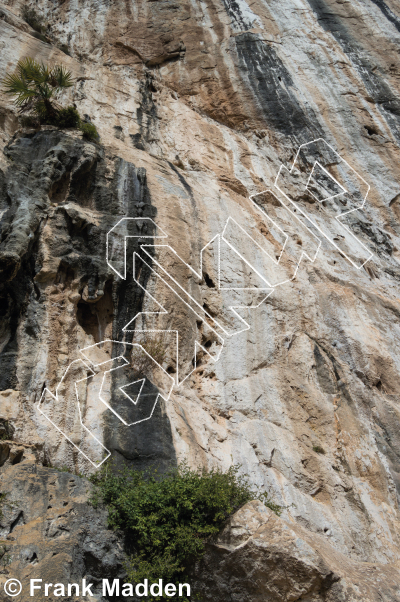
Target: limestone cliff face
x=198, y=104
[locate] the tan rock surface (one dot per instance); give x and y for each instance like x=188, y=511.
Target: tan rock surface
x=209, y=98
x=267, y=558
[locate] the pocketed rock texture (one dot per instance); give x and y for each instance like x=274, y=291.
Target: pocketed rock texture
x=198, y=104
x=50, y=532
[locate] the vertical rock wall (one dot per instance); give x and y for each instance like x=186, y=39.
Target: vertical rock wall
x=198, y=104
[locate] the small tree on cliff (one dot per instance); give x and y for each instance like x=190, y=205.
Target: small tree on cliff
x=35, y=86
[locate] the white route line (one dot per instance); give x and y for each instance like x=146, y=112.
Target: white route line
x=92, y=372
x=127, y=385
x=303, y=253
x=56, y=399
x=141, y=380
x=331, y=177
x=199, y=275
x=190, y=302
x=197, y=345
x=337, y=218
x=136, y=220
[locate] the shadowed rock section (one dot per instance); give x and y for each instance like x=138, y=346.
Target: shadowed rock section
x=61, y=196
x=389, y=14
x=379, y=89
x=50, y=532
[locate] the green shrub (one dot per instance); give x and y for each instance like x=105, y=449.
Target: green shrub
x=142, y=363
x=90, y=132
x=319, y=449
x=31, y=17
x=5, y=558
x=2, y=500
x=167, y=519
x=6, y=430
x=64, y=48
x=41, y=37
x=68, y=118
x=34, y=87
x=29, y=121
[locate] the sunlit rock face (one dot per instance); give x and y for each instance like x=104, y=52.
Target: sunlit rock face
x=198, y=105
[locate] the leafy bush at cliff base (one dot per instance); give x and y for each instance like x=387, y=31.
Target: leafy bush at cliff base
x=168, y=518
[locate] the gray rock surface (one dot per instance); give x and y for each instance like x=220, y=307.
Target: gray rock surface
x=50, y=532
x=259, y=556
x=198, y=105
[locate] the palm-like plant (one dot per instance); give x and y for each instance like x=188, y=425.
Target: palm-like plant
x=35, y=85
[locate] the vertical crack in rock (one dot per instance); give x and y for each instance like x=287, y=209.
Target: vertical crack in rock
x=150, y=442
x=146, y=114
x=196, y=247
x=242, y=18
x=15, y=297
x=376, y=86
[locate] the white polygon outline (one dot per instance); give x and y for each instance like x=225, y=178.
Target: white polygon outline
x=230, y=219
x=197, y=345
x=216, y=239
x=124, y=219
x=91, y=375
x=55, y=397
x=337, y=217
x=121, y=357
x=140, y=380
x=200, y=275
x=303, y=253
x=328, y=198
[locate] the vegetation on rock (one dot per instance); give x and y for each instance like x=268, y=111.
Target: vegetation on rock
x=68, y=118
x=155, y=349
x=2, y=500
x=89, y=132
x=6, y=430
x=31, y=17
x=167, y=519
x=34, y=87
